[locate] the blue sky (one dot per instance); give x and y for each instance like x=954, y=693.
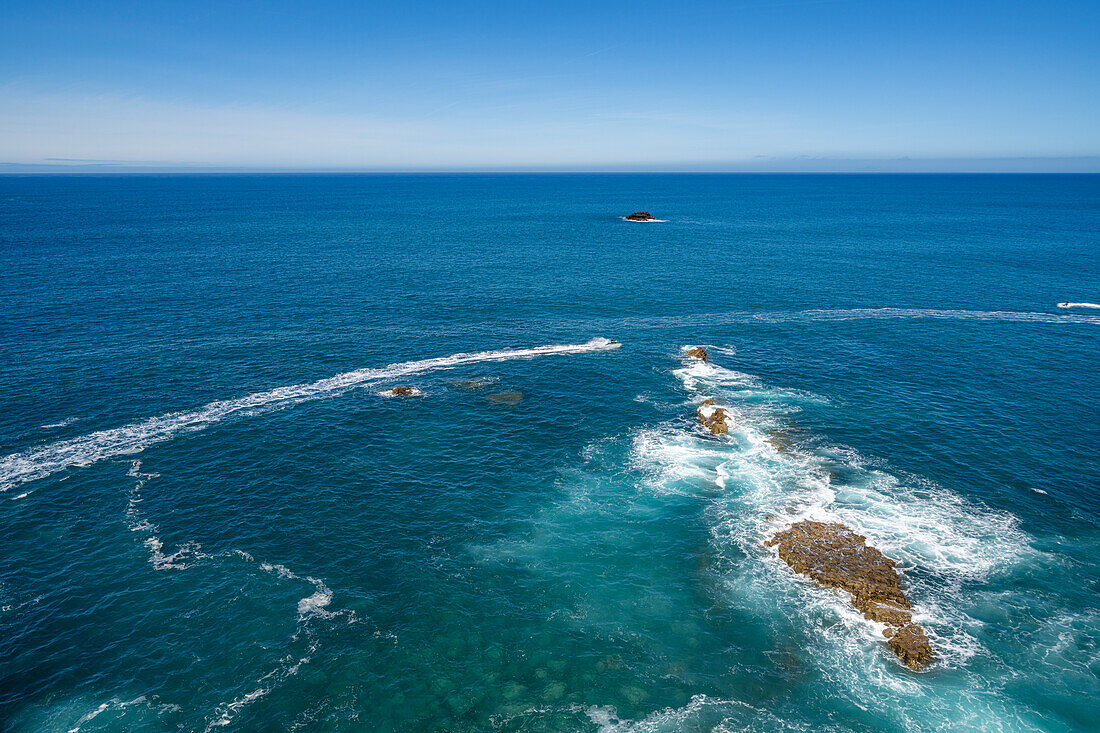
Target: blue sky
x=754, y=85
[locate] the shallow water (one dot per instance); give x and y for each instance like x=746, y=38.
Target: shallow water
x=211, y=518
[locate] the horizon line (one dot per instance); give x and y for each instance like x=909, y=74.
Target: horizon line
x=801, y=165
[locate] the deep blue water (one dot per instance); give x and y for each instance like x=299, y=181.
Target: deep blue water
x=201, y=529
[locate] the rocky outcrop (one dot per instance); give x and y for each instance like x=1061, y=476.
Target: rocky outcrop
x=713, y=418
x=835, y=556
x=697, y=352
x=403, y=391
x=640, y=216
x=911, y=645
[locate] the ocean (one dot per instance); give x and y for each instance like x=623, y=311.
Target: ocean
x=214, y=517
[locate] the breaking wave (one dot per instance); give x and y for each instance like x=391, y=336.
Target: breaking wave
x=771, y=483
x=41, y=461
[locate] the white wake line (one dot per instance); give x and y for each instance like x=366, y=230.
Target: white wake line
x=846, y=314
x=1079, y=305
x=41, y=461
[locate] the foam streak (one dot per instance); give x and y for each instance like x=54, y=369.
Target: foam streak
x=42, y=461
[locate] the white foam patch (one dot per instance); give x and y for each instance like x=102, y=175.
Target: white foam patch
x=311, y=605
x=1079, y=305
x=939, y=540
x=117, y=705
x=41, y=461
x=314, y=605
x=702, y=712
x=184, y=556
x=67, y=421
x=709, y=320
x=225, y=712
x=939, y=314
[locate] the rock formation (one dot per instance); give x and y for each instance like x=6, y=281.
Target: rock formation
x=403, y=391
x=713, y=418
x=835, y=556
x=698, y=352
x=641, y=216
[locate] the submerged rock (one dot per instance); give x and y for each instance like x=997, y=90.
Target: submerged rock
x=697, y=352
x=509, y=397
x=403, y=391
x=713, y=418
x=471, y=385
x=835, y=556
x=779, y=440
x=641, y=216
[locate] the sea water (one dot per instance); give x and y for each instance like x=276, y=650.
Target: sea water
x=211, y=517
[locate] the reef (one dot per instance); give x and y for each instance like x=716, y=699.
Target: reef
x=698, y=352
x=713, y=418
x=836, y=557
x=403, y=391
x=641, y=216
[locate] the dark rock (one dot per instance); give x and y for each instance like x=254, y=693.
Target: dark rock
x=641, y=216
x=403, y=391
x=835, y=556
x=698, y=352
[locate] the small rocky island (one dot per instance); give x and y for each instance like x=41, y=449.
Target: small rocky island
x=403, y=391
x=697, y=352
x=641, y=216
x=836, y=557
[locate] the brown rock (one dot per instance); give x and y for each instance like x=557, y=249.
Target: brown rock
x=640, y=216
x=911, y=646
x=698, y=352
x=717, y=421
x=403, y=391
x=835, y=556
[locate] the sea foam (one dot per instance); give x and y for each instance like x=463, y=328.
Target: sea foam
x=41, y=461
x=940, y=540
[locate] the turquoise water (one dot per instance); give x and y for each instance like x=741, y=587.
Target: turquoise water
x=212, y=519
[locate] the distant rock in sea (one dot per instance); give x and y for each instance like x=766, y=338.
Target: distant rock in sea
x=836, y=557
x=403, y=391
x=640, y=216
x=697, y=352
